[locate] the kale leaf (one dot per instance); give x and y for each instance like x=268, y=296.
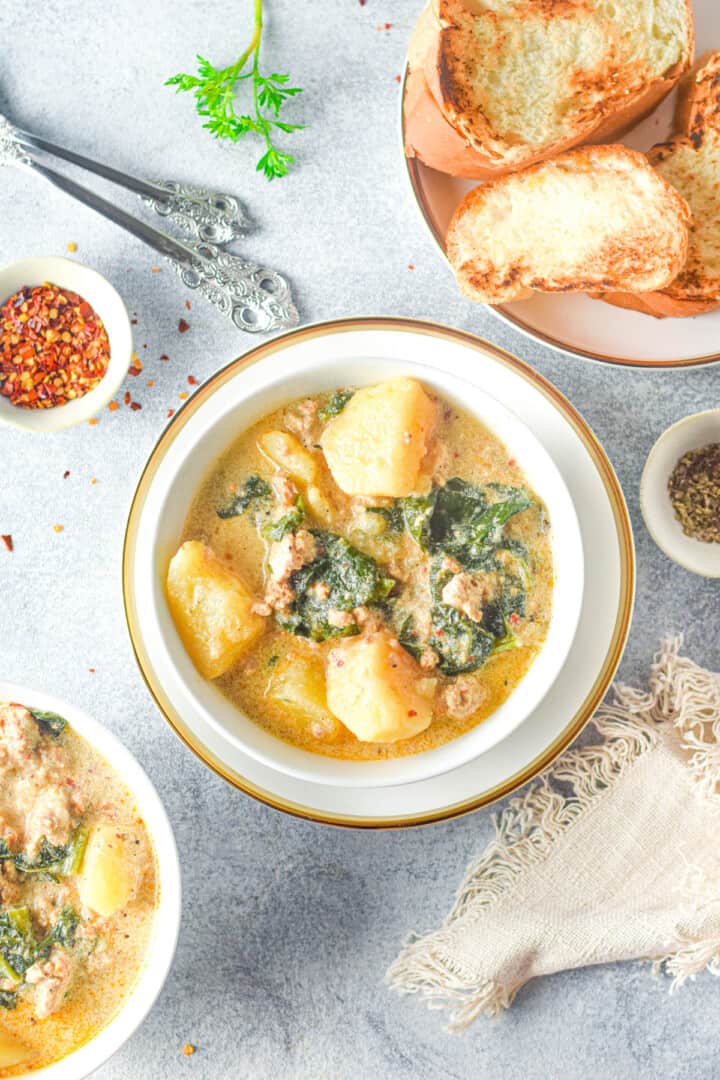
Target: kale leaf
x=8, y=999
x=275, y=530
x=253, y=488
x=335, y=405
x=462, y=520
x=350, y=578
x=55, y=860
x=49, y=722
x=18, y=948
x=64, y=931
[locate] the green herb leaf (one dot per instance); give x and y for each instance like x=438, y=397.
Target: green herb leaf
x=49, y=722
x=290, y=522
x=215, y=88
x=351, y=578
x=64, y=931
x=335, y=405
x=8, y=999
x=254, y=488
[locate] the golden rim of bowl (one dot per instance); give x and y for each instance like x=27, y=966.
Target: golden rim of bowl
x=502, y=310
x=625, y=600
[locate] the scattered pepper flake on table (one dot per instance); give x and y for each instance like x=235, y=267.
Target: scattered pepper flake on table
x=187, y=304
x=170, y=412
x=188, y=1049
x=66, y=474
x=58, y=528
x=113, y=405
x=7, y=541
x=93, y=421
x=135, y=405
x=184, y=394
x=183, y=326
x=53, y=347
x=126, y=398
x=164, y=356
x=72, y=246
x=150, y=382
x=192, y=380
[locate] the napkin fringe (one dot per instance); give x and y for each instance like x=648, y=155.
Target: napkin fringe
x=678, y=694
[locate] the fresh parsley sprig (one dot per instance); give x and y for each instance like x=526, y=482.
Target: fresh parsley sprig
x=215, y=89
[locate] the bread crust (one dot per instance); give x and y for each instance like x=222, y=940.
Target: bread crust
x=627, y=256
x=698, y=109
x=440, y=132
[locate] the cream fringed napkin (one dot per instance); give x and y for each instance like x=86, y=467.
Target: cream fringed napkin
x=613, y=855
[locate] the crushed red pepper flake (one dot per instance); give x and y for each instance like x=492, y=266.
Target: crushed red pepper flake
x=133, y=322
x=113, y=405
x=7, y=541
x=91, y=670
x=58, y=528
x=187, y=304
x=66, y=474
x=126, y=398
x=164, y=356
x=398, y=78
x=93, y=421
x=72, y=246
x=170, y=412
x=134, y=370
x=183, y=326
x=135, y=405
x=156, y=269
x=183, y=394
x=53, y=347
x=188, y=1049
x=192, y=380
x=411, y=266
x=151, y=382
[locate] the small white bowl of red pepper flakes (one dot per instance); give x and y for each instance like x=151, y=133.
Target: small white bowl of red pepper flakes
x=65, y=343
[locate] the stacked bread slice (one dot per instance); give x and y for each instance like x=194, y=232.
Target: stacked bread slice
x=595, y=218
x=496, y=85
x=691, y=163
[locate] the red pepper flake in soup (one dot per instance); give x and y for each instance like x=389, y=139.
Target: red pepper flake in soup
x=53, y=347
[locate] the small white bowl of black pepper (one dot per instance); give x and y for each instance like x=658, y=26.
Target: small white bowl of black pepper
x=680, y=493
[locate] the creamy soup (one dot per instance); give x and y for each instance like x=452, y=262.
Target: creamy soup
x=77, y=890
x=365, y=574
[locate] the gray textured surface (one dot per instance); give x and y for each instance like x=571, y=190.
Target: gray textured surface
x=288, y=927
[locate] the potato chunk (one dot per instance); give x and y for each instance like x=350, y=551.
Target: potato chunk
x=298, y=687
x=288, y=453
x=212, y=609
x=12, y=1052
x=108, y=876
x=372, y=688
x=376, y=444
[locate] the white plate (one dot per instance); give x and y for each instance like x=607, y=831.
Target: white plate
x=574, y=323
x=690, y=433
x=604, y=620
x=166, y=923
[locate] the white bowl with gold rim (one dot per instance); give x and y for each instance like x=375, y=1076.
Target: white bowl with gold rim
x=106, y=302
x=253, y=392
x=166, y=922
x=691, y=433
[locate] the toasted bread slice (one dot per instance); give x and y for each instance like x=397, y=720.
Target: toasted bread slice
x=599, y=217
x=691, y=162
x=496, y=85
